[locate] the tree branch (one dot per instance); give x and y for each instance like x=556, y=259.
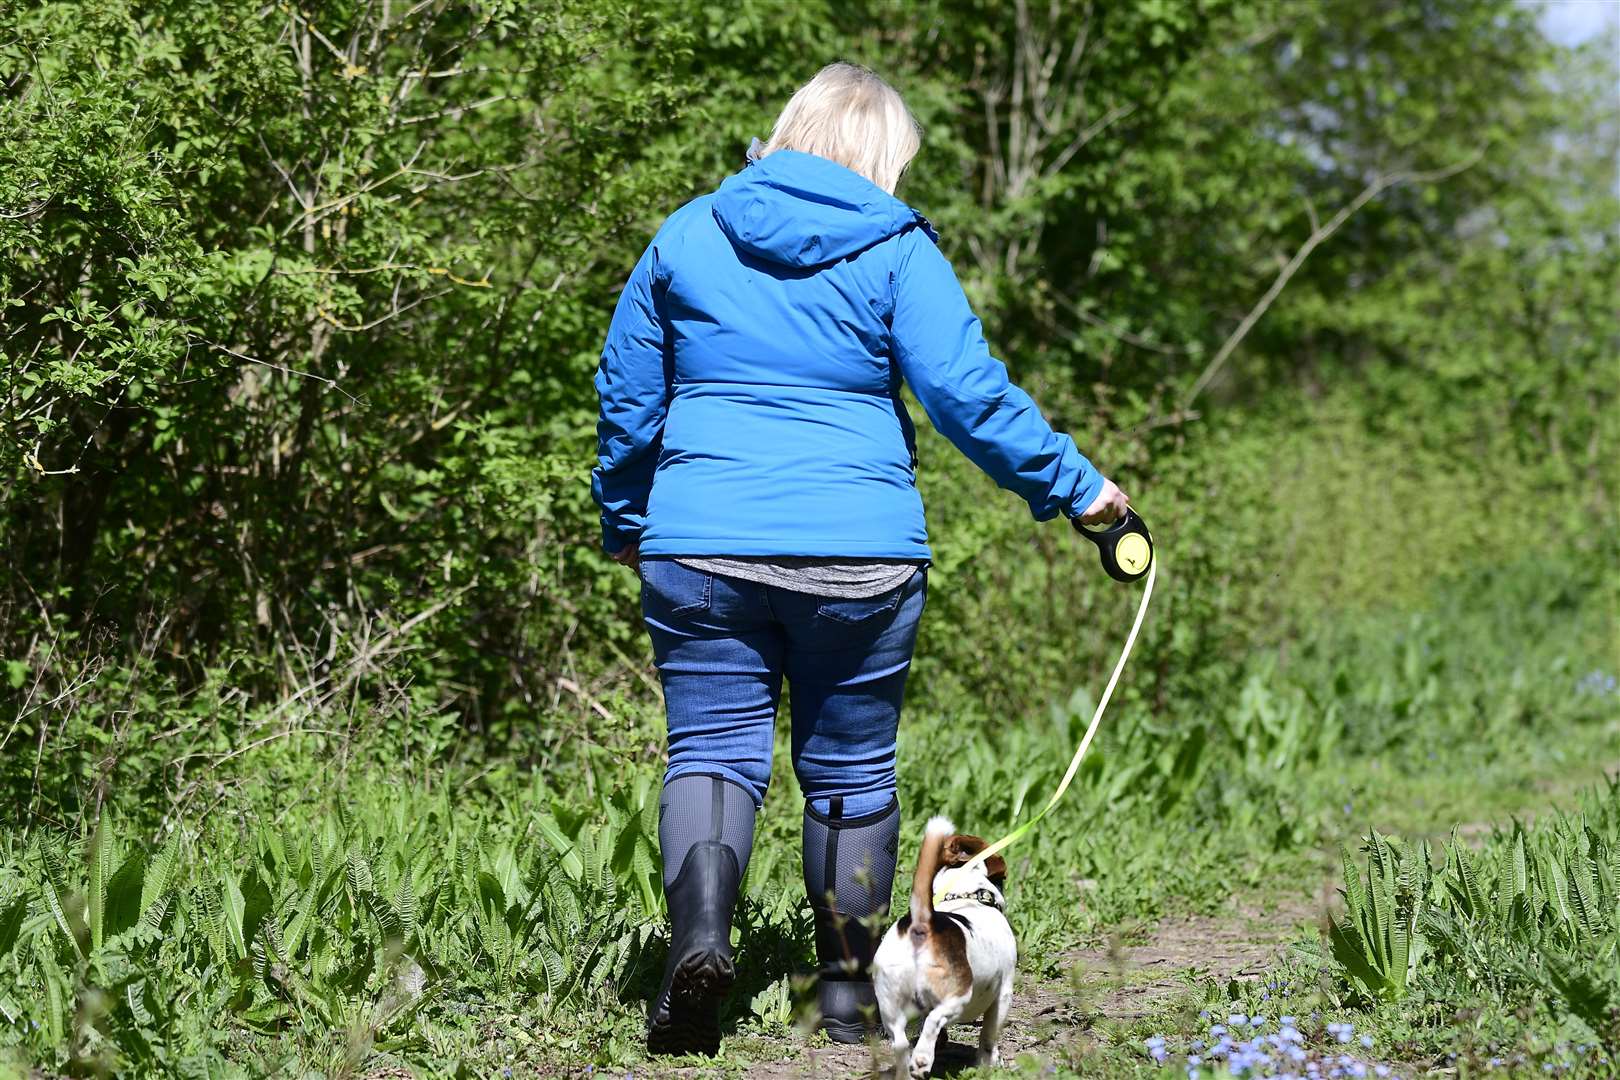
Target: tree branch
x=1321, y=233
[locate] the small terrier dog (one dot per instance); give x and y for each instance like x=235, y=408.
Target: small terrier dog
x=951, y=958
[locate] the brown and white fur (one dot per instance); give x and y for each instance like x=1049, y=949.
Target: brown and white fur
x=950, y=964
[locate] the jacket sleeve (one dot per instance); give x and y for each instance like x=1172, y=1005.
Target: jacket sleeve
x=942, y=354
x=632, y=383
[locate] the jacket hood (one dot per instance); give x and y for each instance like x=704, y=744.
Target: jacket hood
x=803, y=210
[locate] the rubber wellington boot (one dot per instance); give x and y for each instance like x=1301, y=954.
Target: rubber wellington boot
x=685, y=1016
x=848, y=873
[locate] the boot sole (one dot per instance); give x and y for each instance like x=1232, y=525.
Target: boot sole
x=840, y=1031
x=849, y=1010
x=693, y=1026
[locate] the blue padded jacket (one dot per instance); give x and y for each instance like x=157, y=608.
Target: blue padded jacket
x=750, y=383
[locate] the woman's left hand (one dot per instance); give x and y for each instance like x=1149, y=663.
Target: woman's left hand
x=629, y=555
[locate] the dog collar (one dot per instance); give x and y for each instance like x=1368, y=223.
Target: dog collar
x=978, y=896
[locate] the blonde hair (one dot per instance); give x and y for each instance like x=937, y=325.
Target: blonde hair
x=849, y=115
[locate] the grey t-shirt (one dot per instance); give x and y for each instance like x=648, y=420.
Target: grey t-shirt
x=847, y=579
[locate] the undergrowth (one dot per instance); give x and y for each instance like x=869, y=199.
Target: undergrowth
x=334, y=903
x=1493, y=954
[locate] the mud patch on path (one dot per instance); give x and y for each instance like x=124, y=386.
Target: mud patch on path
x=1125, y=982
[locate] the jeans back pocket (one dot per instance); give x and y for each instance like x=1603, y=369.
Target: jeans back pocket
x=858, y=611
x=677, y=589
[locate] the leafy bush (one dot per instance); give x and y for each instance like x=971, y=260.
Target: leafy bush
x=299, y=337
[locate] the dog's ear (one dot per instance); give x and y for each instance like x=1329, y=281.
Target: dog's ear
x=960, y=848
x=995, y=868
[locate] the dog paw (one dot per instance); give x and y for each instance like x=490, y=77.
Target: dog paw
x=920, y=1065
x=988, y=1058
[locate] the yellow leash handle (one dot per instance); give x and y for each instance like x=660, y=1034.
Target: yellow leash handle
x=1091, y=730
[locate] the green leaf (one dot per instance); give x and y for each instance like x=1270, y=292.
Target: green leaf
x=1521, y=875
x=99, y=855
x=55, y=987
x=1350, y=951
x=1583, y=899
x=135, y=998
x=256, y=904
x=232, y=911
x=123, y=905
x=566, y=849
x=360, y=879
x=301, y=920
x=53, y=887
x=11, y=920
x=159, y=879
x=1474, y=901
x=405, y=904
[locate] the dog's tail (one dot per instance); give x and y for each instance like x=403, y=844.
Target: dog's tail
x=922, y=883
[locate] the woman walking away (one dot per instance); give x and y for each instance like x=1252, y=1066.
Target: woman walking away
x=757, y=464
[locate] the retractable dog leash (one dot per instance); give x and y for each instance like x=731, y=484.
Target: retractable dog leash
x=1126, y=548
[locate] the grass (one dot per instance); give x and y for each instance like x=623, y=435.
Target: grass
x=336, y=908
x=1495, y=959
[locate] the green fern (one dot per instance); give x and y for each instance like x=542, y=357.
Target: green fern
x=213, y=923
x=55, y=987
x=1465, y=887
x=99, y=856
x=405, y=904
x=1584, y=900
x=159, y=880
x=53, y=888
x=1380, y=940
x=12, y=914
x=359, y=874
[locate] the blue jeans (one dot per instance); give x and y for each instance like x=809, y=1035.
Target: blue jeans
x=722, y=647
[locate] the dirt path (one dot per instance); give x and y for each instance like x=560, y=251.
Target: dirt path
x=1118, y=983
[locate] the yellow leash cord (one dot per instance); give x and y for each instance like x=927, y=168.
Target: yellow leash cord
x=1091, y=730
